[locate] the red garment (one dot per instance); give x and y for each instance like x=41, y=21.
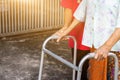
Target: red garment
x=77, y=32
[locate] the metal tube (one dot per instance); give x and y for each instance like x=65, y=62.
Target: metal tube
x=79, y=72
x=0, y=22
x=75, y=56
x=58, y=57
x=38, y=23
x=32, y=11
x=41, y=66
x=15, y=19
x=6, y=16
x=58, y=21
x=50, y=13
x=24, y=9
x=45, y=12
x=9, y=25
x=42, y=1
x=3, y=20
x=53, y=13
x=12, y=14
x=91, y=55
x=27, y=14
x=36, y=15
x=21, y=12
x=47, y=17
x=18, y=15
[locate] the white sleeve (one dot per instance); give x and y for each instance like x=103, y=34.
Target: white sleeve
x=118, y=19
x=80, y=12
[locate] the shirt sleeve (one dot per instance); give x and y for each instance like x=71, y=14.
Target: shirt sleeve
x=80, y=12
x=118, y=19
x=67, y=3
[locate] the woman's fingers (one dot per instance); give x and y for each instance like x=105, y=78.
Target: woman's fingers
x=61, y=35
x=58, y=40
x=98, y=55
x=101, y=53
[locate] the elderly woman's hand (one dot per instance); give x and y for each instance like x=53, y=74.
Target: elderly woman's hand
x=102, y=52
x=61, y=34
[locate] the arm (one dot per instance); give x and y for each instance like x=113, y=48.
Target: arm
x=73, y=24
x=67, y=20
x=103, y=51
x=67, y=17
x=106, y=47
x=113, y=39
x=68, y=14
x=79, y=16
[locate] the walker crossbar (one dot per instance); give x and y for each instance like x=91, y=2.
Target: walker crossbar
x=61, y=59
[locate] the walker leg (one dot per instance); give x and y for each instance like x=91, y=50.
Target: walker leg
x=79, y=75
x=41, y=66
x=58, y=57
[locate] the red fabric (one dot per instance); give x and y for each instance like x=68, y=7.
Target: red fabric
x=77, y=32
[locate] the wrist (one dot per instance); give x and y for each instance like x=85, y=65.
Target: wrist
x=108, y=46
x=65, y=26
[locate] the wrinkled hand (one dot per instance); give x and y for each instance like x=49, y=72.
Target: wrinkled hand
x=102, y=52
x=61, y=34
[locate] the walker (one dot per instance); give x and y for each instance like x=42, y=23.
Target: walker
x=69, y=64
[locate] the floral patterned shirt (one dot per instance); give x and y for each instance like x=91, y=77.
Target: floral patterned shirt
x=101, y=18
